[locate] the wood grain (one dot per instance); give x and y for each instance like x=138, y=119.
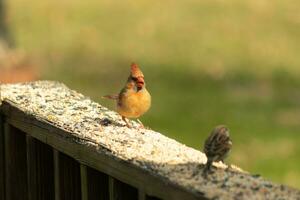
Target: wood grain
x=40, y=170
x=2, y=159
x=15, y=164
x=121, y=191
x=68, y=144
x=69, y=178
x=97, y=185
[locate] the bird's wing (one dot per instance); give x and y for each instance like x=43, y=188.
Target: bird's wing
x=113, y=97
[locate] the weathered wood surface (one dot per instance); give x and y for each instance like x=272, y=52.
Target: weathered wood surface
x=40, y=170
x=15, y=164
x=69, y=178
x=97, y=184
x=145, y=159
x=84, y=182
x=121, y=191
x=2, y=160
x=56, y=175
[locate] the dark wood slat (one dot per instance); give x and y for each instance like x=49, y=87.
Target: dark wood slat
x=121, y=191
x=111, y=187
x=56, y=174
x=40, y=170
x=16, y=164
x=142, y=195
x=152, y=198
x=97, y=185
x=2, y=159
x=68, y=144
x=69, y=178
x=84, y=182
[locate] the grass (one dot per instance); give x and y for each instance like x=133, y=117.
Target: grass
x=206, y=63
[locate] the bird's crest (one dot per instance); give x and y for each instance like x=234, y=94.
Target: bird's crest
x=135, y=71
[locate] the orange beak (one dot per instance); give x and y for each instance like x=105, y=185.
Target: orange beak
x=140, y=82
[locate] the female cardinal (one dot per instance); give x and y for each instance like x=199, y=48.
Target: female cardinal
x=134, y=99
x=217, y=146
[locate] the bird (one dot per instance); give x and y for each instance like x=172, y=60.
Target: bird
x=134, y=99
x=217, y=146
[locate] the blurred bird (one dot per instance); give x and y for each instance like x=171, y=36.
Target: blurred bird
x=217, y=146
x=134, y=99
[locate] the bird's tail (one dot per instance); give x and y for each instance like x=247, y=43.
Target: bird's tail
x=113, y=97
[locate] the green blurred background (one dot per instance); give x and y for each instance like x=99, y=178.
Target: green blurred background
x=206, y=63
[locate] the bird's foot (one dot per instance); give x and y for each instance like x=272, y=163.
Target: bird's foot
x=141, y=124
x=207, y=170
x=127, y=124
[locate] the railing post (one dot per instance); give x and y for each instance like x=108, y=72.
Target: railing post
x=97, y=185
x=121, y=191
x=2, y=159
x=142, y=195
x=67, y=177
x=111, y=188
x=84, y=182
x=56, y=174
x=31, y=168
x=152, y=198
x=15, y=163
x=40, y=170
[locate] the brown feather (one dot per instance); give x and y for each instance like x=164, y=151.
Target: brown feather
x=218, y=144
x=113, y=97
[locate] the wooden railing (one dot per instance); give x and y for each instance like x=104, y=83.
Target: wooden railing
x=42, y=158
